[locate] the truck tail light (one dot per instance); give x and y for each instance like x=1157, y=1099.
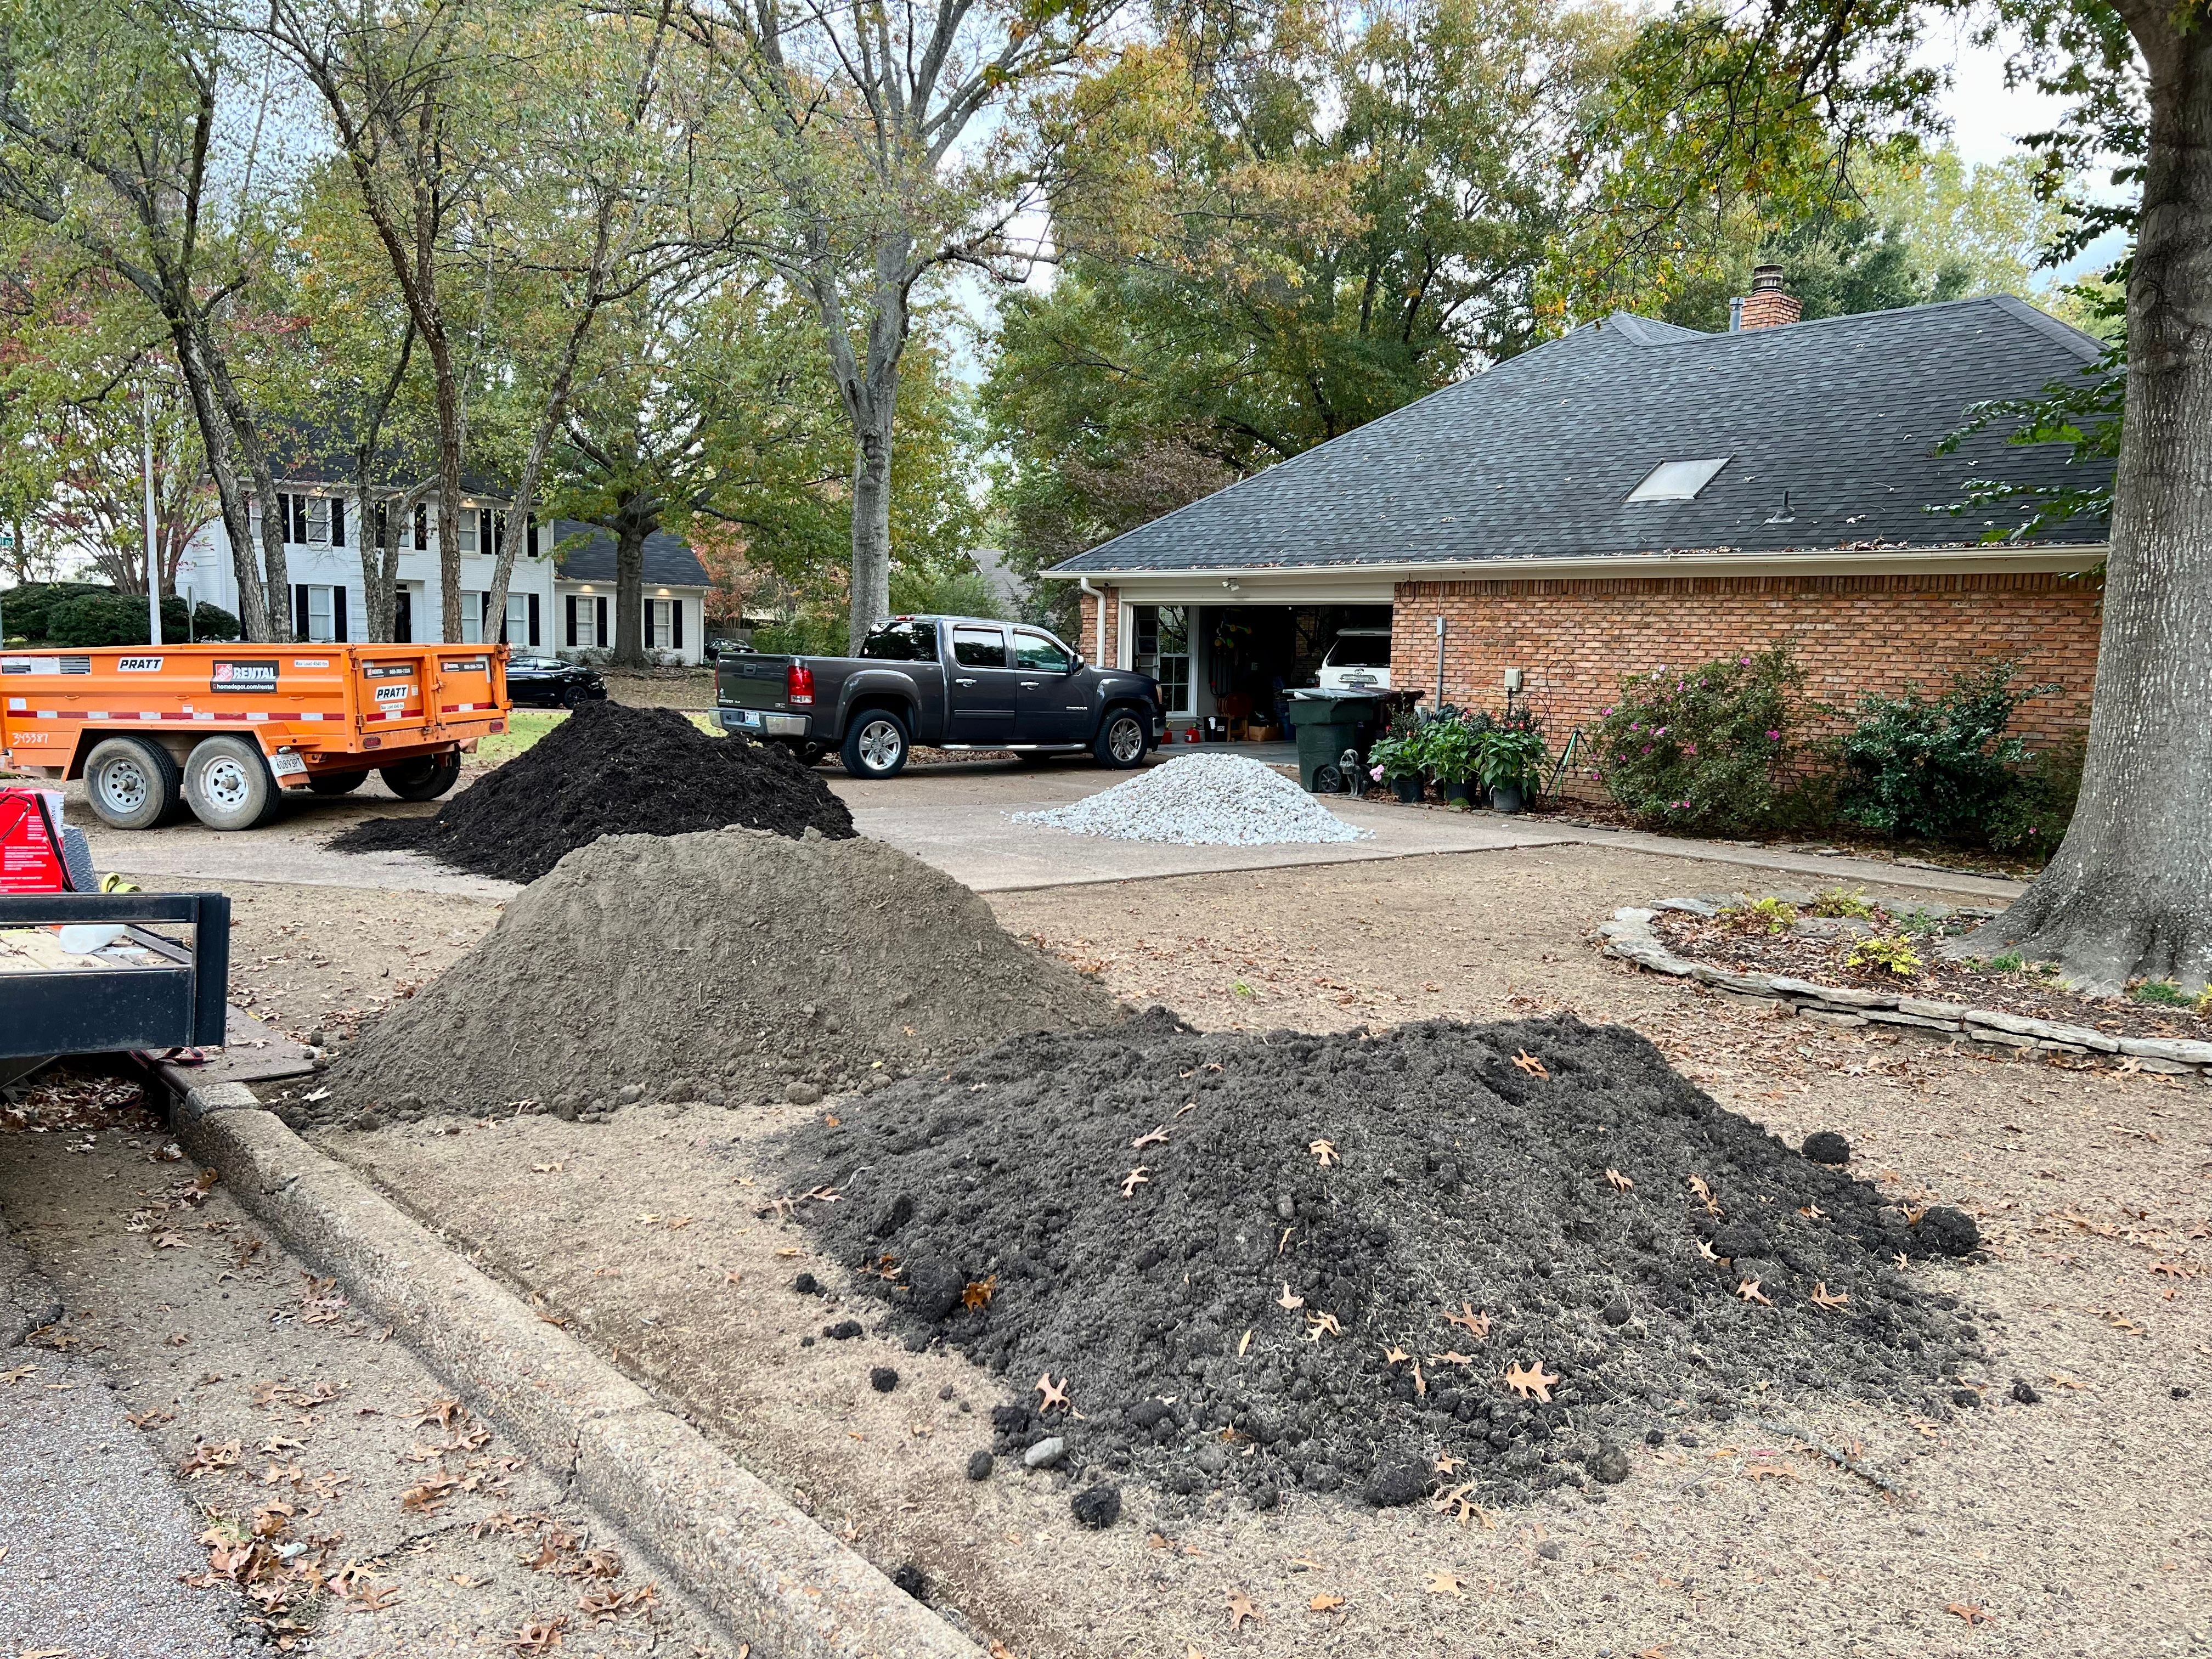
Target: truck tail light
x=798, y=684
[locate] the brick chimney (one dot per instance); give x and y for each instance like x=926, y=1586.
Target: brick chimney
x=1766, y=306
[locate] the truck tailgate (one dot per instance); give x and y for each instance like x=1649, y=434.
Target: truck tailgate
x=747, y=682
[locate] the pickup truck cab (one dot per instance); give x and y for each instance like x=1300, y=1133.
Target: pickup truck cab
x=948, y=683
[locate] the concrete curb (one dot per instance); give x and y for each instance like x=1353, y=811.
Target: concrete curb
x=771, y=1574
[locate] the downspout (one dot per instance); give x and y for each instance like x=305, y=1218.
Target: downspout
x=1083, y=584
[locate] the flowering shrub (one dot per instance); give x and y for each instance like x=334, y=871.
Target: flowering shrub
x=1702, y=749
x=1940, y=769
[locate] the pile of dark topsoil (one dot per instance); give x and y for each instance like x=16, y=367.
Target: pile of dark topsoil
x=1262, y=1310
x=732, y=965
x=610, y=770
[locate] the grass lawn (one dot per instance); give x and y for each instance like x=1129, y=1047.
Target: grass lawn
x=526, y=725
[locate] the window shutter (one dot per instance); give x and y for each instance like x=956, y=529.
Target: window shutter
x=676, y=624
x=571, y=619
x=532, y=538
x=599, y=615
x=422, y=526
x=298, y=611
x=533, y=622
x=338, y=521
x=339, y=615
x=403, y=617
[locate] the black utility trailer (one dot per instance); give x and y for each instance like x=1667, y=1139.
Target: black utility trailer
x=139, y=990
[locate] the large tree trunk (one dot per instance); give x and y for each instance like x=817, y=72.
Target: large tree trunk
x=230, y=495
x=451, y=437
x=871, y=524
x=2129, y=894
x=630, y=592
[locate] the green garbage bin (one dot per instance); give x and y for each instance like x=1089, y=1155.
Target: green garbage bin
x=1326, y=728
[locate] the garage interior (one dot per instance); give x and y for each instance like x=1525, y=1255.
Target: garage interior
x=1237, y=665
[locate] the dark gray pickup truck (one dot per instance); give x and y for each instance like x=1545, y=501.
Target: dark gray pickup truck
x=947, y=682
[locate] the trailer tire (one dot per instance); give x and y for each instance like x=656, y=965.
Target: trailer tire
x=425, y=777
x=228, y=785
x=131, y=783
x=337, y=783
x=876, y=745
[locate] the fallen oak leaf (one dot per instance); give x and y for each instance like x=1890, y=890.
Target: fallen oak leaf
x=1617, y=1182
x=1444, y=1582
x=978, y=1295
x=1325, y=1150
x=1054, y=1394
x=1824, y=1297
x=1704, y=1194
x=1134, y=1179
x=1967, y=1611
x=1476, y=1323
x=1157, y=1137
x=1326, y=1603
x=1320, y=1324
x=1749, y=1290
x=1531, y=1380
x=1240, y=1608
x=1287, y=1300
x=1528, y=1063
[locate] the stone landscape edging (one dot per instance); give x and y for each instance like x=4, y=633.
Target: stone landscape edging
x=1630, y=937
x=773, y=1575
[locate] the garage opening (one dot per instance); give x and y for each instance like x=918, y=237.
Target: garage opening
x=1227, y=670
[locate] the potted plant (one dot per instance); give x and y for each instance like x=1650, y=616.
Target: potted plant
x=1452, y=748
x=1396, y=760
x=1510, y=761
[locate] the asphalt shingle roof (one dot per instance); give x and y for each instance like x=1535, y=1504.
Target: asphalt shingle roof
x=1840, y=418
x=587, y=554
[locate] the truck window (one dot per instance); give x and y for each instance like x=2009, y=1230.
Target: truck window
x=902, y=641
x=979, y=647
x=1040, y=652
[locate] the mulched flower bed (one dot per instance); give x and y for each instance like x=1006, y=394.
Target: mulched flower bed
x=1727, y=942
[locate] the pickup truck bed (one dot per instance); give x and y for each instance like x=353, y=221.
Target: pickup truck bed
x=945, y=683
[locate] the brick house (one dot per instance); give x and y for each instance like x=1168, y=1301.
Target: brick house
x=1634, y=494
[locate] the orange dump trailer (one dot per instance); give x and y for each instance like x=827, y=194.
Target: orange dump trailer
x=222, y=729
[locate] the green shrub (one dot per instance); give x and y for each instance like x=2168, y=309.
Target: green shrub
x=1511, y=757
x=1837, y=904
x=2030, y=820
x=1394, y=756
x=1891, y=952
x=82, y=614
x=1768, y=915
x=1935, y=769
x=1448, y=749
x=1702, y=749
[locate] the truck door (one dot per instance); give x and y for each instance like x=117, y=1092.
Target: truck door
x=982, y=692
x=1052, y=706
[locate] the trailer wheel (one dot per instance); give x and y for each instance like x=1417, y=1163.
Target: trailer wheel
x=425, y=777
x=337, y=783
x=130, y=782
x=227, y=784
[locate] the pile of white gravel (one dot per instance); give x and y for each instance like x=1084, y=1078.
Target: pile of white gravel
x=1203, y=800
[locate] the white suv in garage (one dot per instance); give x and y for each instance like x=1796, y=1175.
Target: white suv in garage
x=1359, y=660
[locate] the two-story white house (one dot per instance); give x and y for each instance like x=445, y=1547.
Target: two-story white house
x=560, y=596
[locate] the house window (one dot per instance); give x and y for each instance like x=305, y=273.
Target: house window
x=580, y=617
x=468, y=529
x=318, y=521
x=518, y=620
x=319, y=613
x=472, y=617
x=660, y=626
x=1162, y=650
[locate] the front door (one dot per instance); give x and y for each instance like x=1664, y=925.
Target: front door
x=1052, y=707
x=983, y=692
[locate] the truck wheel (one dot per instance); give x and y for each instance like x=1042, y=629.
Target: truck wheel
x=425, y=777
x=877, y=744
x=227, y=784
x=130, y=782
x=337, y=783
x=1120, y=744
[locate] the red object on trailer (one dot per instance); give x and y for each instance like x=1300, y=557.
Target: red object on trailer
x=31, y=859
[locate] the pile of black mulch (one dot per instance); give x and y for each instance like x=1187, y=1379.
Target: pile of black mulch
x=1239, y=1255
x=610, y=770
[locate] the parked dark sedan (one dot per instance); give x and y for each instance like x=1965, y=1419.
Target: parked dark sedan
x=549, y=682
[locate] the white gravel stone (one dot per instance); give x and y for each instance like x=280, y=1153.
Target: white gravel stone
x=1203, y=800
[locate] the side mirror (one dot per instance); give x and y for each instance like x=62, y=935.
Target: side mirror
x=1076, y=664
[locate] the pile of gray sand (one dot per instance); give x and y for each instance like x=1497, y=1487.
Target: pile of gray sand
x=731, y=964
x=1481, y=1259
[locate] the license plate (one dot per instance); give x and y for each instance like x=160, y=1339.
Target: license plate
x=287, y=766
x=747, y=717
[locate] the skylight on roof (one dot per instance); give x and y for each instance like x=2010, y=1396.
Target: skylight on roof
x=1677, y=481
